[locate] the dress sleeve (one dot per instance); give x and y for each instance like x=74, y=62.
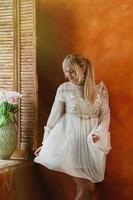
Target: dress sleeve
x=57, y=111
x=102, y=129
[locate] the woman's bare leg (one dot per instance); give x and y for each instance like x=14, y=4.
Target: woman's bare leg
x=85, y=188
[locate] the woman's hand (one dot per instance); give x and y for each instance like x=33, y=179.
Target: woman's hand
x=95, y=138
x=38, y=151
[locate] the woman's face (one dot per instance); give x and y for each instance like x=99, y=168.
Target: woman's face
x=71, y=75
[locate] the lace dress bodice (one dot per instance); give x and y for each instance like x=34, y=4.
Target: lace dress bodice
x=69, y=100
x=75, y=103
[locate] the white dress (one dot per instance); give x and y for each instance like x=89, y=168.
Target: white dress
x=67, y=143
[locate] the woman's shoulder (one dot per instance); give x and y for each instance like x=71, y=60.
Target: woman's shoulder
x=62, y=86
x=100, y=83
x=97, y=81
x=102, y=89
x=101, y=86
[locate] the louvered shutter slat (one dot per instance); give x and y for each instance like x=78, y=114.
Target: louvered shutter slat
x=6, y=44
x=17, y=62
x=27, y=122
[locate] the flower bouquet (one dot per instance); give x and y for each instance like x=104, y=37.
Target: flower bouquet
x=8, y=105
x=8, y=136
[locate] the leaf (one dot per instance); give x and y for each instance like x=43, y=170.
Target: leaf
x=3, y=120
x=11, y=115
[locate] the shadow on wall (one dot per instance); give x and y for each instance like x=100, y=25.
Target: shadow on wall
x=55, y=32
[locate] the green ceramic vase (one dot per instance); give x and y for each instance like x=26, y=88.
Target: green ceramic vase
x=8, y=140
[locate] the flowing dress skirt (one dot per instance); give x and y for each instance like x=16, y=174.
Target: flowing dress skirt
x=69, y=148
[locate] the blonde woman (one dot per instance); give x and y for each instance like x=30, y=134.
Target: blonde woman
x=77, y=139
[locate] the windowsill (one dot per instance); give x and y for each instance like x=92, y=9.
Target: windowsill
x=7, y=165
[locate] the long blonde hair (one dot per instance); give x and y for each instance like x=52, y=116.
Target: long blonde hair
x=76, y=62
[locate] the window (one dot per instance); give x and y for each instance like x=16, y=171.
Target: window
x=18, y=65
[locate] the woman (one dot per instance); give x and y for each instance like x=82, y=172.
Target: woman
x=77, y=137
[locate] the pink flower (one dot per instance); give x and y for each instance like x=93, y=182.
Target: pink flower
x=12, y=100
x=9, y=96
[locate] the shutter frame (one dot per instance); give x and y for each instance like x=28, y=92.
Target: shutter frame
x=18, y=56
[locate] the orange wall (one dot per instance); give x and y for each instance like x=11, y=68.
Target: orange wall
x=102, y=30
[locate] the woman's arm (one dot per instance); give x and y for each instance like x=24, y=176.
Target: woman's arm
x=102, y=130
x=104, y=116
x=58, y=109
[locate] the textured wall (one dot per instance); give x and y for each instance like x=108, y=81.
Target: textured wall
x=102, y=30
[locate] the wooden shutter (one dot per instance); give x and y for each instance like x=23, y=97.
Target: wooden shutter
x=6, y=44
x=18, y=63
x=28, y=83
